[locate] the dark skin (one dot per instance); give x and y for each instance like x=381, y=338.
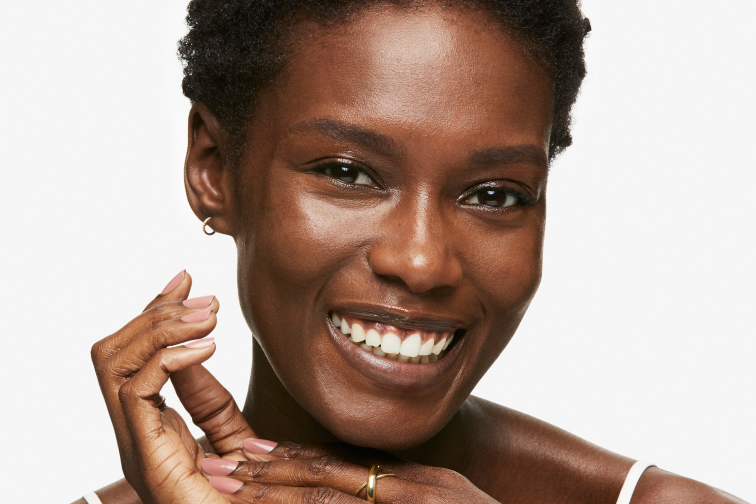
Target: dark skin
x=384, y=180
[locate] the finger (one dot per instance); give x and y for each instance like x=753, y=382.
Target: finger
x=212, y=409
x=356, y=455
x=176, y=290
x=166, y=309
x=266, y=494
x=191, y=325
x=137, y=395
x=160, y=463
x=161, y=453
x=113, y=373
x=149, y=323
x=323, y=471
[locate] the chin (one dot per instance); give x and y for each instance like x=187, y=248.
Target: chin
x=389, y=429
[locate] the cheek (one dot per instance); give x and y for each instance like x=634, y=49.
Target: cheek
x=308, y=240
x=301, y=241
x=506, y=268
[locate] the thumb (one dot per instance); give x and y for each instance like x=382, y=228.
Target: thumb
x=212, y=409
x=176, y=290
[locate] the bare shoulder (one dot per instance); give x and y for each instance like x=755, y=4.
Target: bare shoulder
x=661, y=487
x=529, y=460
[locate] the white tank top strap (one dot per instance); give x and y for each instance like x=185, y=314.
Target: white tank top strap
x=633, y=475
x=92, y=498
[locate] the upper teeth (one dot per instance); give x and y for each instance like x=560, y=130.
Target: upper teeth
x=410, y=346
x=411, y=349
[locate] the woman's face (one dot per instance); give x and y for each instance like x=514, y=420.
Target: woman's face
x=395, y=177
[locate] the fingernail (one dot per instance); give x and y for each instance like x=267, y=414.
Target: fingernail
x=200, y=343
x=219, y=467
x=199, y=302
x=258, y=446
x=225, y=485
x=174, y=283
x=198, y=316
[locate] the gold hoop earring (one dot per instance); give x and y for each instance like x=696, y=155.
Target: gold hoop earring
x=204, y=227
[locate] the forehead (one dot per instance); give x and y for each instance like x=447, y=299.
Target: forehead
x=429, y=71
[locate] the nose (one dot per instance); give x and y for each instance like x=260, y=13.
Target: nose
x=416, y=250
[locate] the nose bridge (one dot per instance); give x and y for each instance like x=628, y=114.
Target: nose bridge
x=415, y=246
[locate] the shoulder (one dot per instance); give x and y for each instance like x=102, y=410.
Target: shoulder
x=542, y=463
x=528, y=460
x=526, y=440
x=657, y=486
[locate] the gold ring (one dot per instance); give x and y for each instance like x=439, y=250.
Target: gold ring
x=373, y=478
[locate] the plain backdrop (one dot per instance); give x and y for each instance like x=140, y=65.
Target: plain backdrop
x=641, y=338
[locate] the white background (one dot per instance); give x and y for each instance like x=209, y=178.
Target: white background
x=641, y=338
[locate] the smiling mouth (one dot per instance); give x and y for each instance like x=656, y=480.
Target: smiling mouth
x=403, y=345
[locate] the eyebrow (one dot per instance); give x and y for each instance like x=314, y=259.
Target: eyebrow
x=347, y=132
x=490, y=158
x=378, y=142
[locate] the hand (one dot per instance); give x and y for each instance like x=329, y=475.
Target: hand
x=159, y=456
x=323, y=475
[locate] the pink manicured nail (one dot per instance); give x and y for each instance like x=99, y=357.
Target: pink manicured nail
x=225, y=485
x=198, y=316
x=200, y=343
x=258, y=446
x=174, y=283
x=219, y=467
x=199, y=302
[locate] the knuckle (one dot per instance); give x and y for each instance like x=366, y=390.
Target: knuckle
x=260, y=493
x=321, y=495
x=107, y=370
x=166, y=359
x=95, y=353
x=159, y=336
x=322, y=466
x=290, y=450
x=447, y=473
x=156, y=315
x=163, y=354
x=99, y=354
x=126, y=392
x=222, y=414
x=447, y=476
x=435, y=494
x=259, y=470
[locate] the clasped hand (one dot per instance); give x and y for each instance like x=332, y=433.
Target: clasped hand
x=165, y=464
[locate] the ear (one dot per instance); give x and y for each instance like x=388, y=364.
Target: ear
x=207, y=173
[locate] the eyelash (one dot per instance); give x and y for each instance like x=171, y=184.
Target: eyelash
x=362, y=177
x=512, y=198
x=365, y=180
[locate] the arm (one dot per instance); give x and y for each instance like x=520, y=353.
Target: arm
x=119, y=492
x=657, y=486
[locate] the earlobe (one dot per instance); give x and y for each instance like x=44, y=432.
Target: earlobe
x=207, y=174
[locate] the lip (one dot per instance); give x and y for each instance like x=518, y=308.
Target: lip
x=403, y=318
x=391, y=374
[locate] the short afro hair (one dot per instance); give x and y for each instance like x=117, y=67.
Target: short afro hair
x=234, y=48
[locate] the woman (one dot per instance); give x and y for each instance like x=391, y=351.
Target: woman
x=382, y=167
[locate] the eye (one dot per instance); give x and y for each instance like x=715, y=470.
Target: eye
x=346, y=172
x=492, y=197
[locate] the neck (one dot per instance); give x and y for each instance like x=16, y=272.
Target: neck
x=274, y=414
